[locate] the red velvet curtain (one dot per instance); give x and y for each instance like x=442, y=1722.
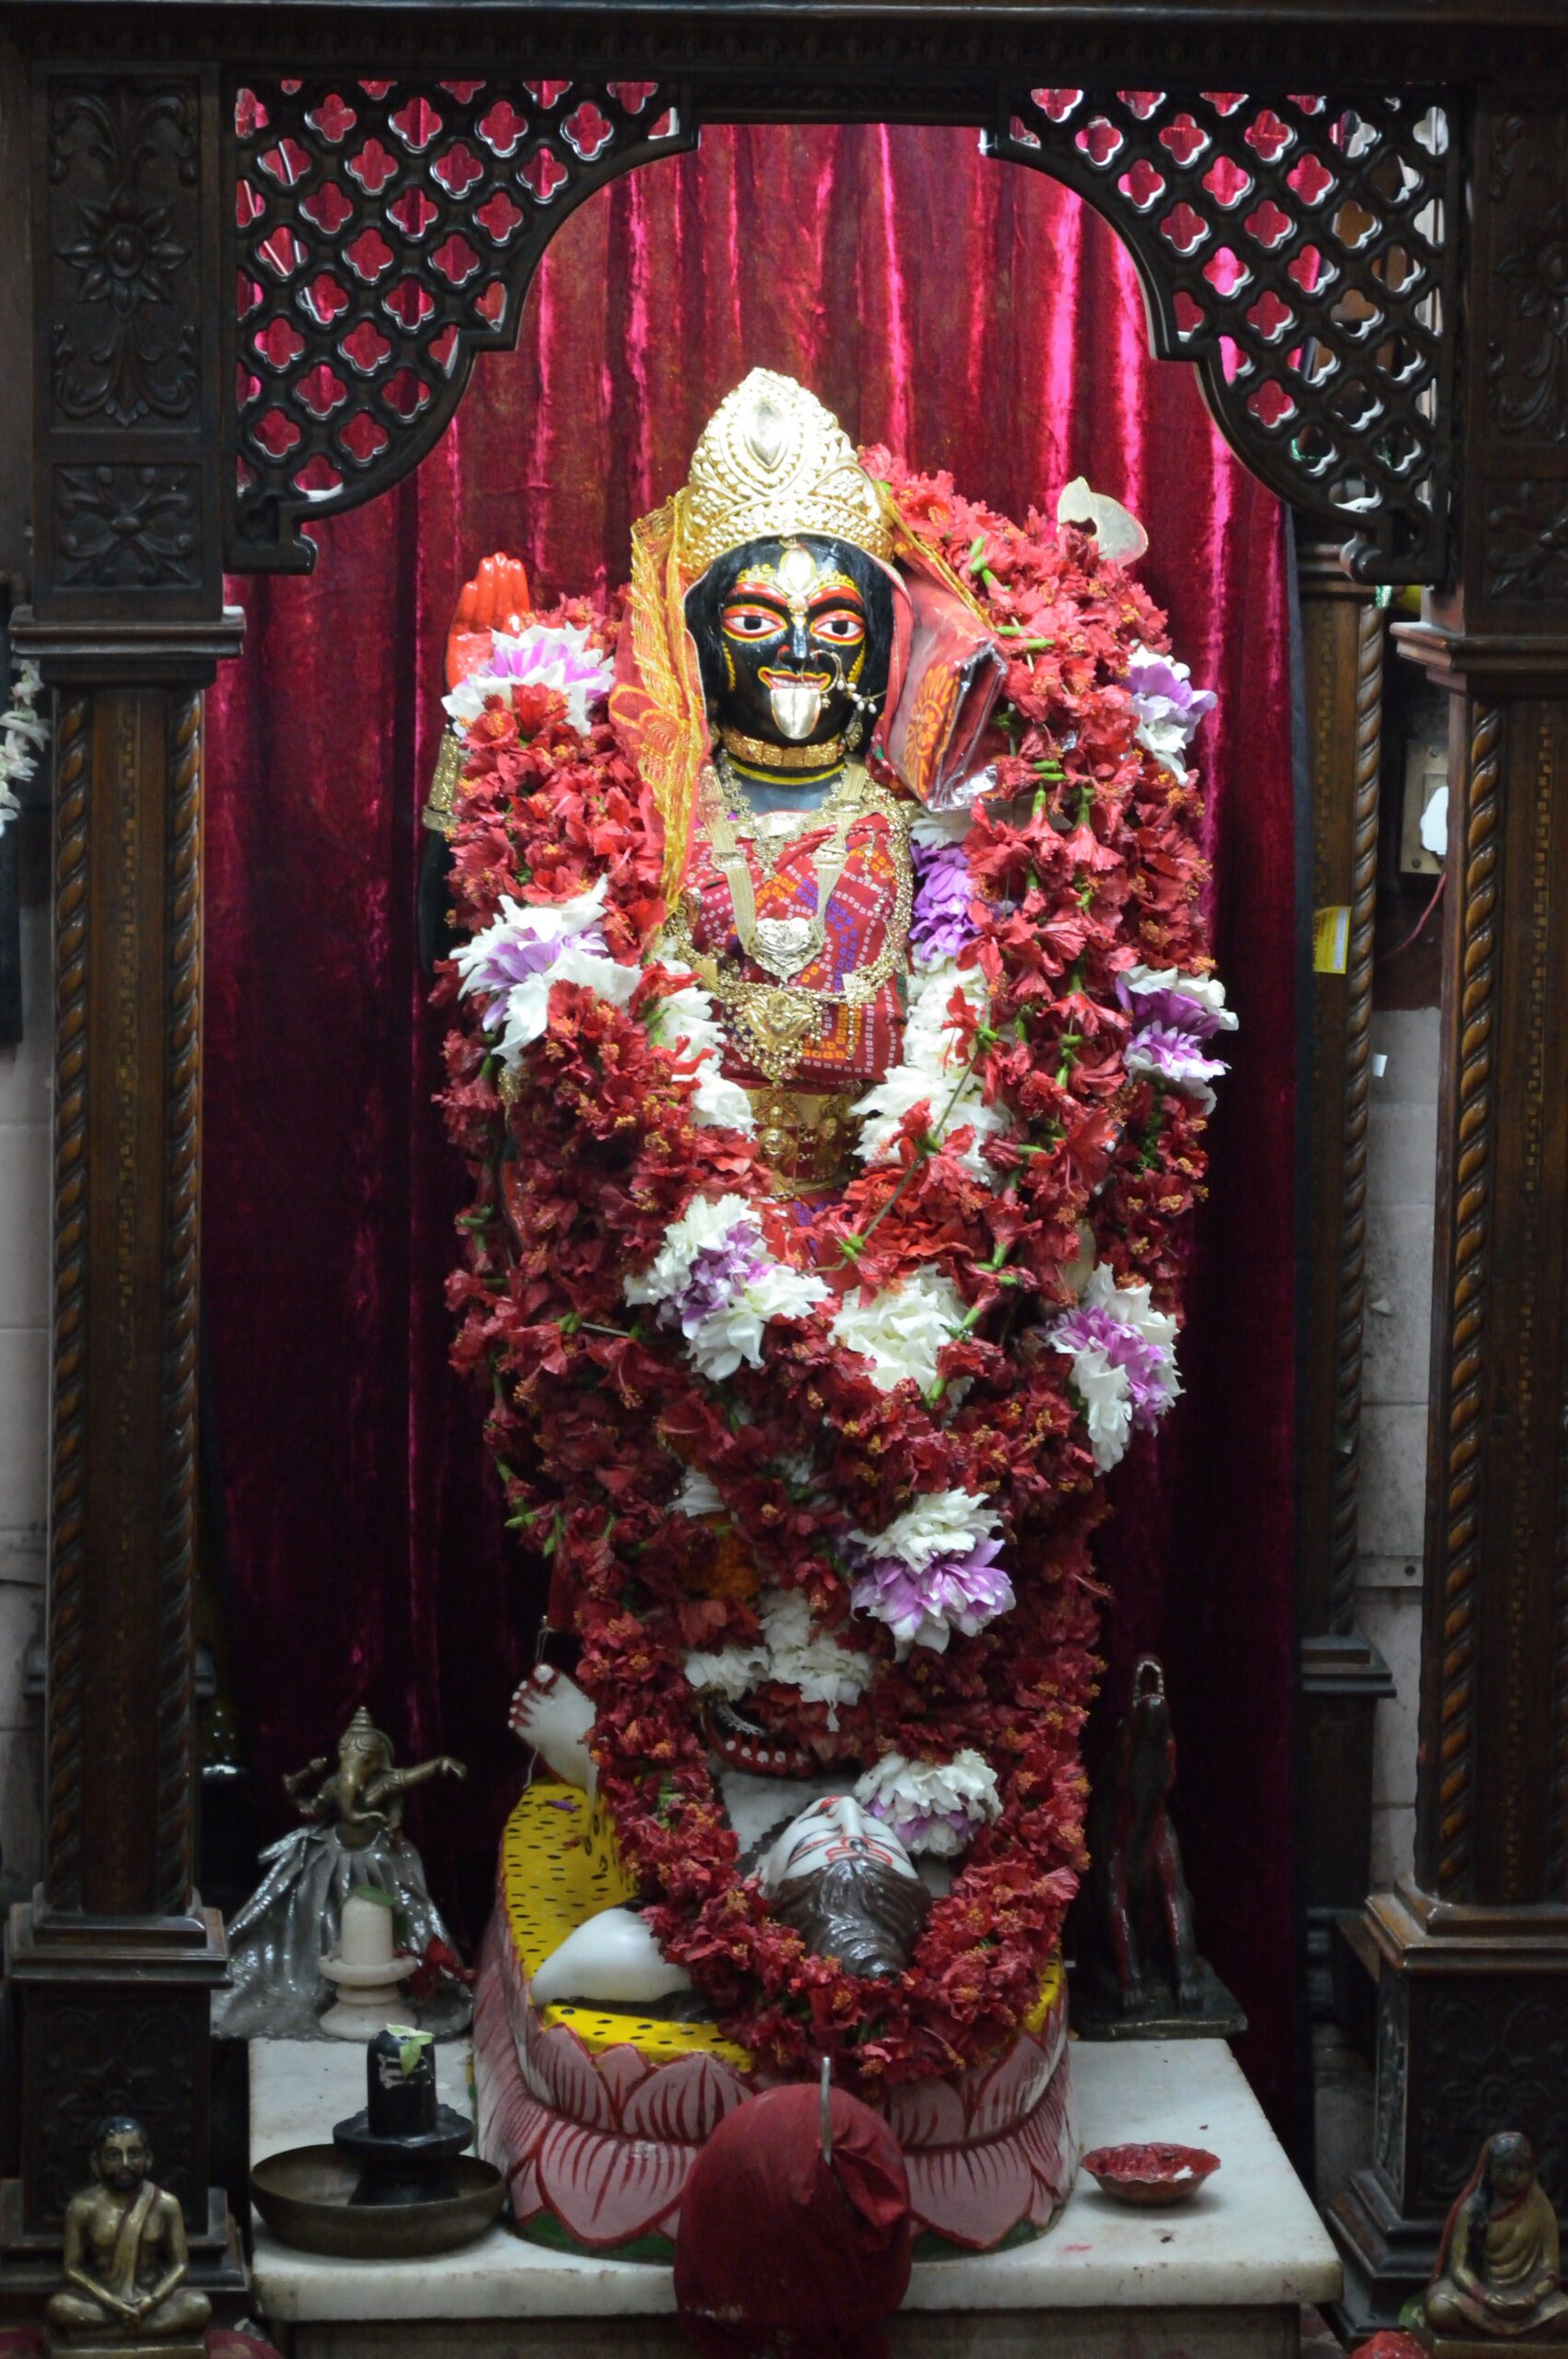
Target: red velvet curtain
x=980, y=318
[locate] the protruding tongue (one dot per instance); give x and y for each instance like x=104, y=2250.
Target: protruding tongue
x=797, y=709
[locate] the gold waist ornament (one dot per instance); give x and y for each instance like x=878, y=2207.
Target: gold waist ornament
x=807, y=1136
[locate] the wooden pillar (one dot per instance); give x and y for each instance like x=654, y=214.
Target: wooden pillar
x=113, y=1962
x=1473, y=1950
x=1343, y=1675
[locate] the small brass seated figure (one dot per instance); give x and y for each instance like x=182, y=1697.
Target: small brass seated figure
x=126, y=2260
x=1497, y=2270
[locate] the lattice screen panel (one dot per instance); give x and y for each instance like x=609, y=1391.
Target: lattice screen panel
x=386, y=231
x=1302, y=251
x=1299, y=250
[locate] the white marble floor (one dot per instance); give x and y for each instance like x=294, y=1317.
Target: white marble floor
x=1222, y=2278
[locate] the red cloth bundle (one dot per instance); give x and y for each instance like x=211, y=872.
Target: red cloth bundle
x=784, y=2252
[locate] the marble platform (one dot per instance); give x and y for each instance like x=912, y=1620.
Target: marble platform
x=1223, y=2278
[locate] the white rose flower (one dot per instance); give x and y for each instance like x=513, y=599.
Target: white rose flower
x=934, y=828
x=698, y=1495
x=528, y=1002
x=720, y=1104
x=932, y=1806
x=799, y=1655
x=730, y=1673
x=685, y=1023
x=932, y=1069
x=707, y=1221
x=940, y=1523
x=734, y=1332
x=902, y=1328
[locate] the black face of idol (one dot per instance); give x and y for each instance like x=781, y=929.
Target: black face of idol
x=789, y=633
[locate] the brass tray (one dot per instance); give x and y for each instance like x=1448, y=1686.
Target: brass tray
x=303, y=2197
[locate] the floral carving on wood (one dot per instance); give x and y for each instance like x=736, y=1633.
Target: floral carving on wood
x=119, y=527
x=123, y=163
x=144, y=2058
x=1526, y=540
x=1300, y=251
x=1393, y=2034
x=1526, y=350
x=1495, y=2060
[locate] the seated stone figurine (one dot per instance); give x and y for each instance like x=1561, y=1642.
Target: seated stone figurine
x=1497, y=2270
x=126, y=2257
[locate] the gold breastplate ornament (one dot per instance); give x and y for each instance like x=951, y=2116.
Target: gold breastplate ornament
x=771, y=1022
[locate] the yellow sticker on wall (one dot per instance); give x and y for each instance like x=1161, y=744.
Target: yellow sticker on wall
x=1331, y=939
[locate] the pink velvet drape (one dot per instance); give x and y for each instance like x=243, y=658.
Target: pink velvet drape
x=981, y=318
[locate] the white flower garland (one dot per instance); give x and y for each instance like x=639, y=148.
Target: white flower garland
x=791, y=1653
x=933, y=1807
x=23, y=736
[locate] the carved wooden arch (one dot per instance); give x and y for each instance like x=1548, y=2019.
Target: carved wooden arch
x=1299, y=249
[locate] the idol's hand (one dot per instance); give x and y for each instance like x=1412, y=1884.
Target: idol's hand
x=497, y=599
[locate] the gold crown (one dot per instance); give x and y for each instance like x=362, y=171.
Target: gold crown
x=772, y=460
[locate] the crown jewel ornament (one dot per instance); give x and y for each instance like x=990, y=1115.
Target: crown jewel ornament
x=772, y=460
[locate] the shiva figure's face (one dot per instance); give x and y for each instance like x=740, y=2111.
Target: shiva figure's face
x=833, y=1829
x=793, y=636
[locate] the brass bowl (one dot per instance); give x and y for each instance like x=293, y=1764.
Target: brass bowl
x=303, y=2197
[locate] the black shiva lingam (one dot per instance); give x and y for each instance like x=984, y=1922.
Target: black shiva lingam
x=404, y=2141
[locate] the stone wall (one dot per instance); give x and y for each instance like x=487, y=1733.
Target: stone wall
x=24, y=1390
x=1402, y=1166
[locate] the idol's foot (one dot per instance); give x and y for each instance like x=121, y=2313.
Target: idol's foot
x=551, y=1713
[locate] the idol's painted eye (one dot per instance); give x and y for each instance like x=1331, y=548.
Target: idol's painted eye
x=842, y=626
x=752, y=622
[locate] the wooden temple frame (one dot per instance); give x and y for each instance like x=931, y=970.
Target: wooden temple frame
x=1365, y=258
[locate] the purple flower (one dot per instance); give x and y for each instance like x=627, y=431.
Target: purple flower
x=718, y=1272
x=1125, y=1346
x=556, y=663
x=941, y=926
x=950, y=1593
x=914, y=1828
x=526, y=938
x=1173, y=1056
x=1159, y=678
x=512, y=957
x=1168, y=1006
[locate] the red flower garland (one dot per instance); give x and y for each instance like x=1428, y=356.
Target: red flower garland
x=591, y=1152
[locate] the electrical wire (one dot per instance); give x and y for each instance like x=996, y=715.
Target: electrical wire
x=1400, y=947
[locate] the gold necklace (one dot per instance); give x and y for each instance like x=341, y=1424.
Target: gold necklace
x=766, y=756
